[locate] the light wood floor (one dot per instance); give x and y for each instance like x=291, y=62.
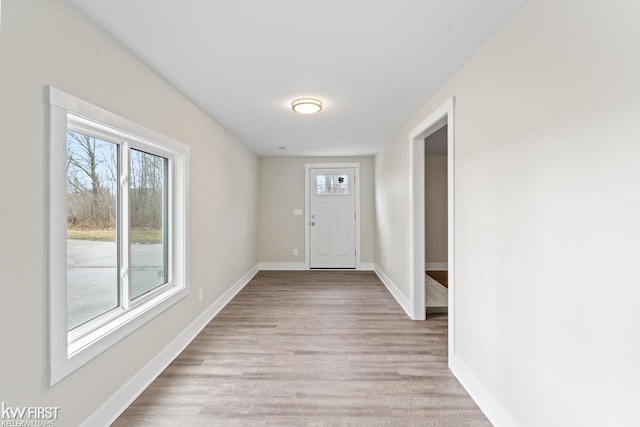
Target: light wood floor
x=436, y=295
x=310, y=348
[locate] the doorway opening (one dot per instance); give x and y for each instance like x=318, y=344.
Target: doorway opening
x=436, y=222
x=443, y=117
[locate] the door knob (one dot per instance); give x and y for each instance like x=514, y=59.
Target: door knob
x=313, y=223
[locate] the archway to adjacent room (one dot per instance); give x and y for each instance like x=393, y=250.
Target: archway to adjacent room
x=443, y=116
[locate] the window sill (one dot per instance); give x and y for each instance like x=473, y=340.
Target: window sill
x=93, y=344
x=112, y=327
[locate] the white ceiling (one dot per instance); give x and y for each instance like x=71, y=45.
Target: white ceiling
x=372, y=62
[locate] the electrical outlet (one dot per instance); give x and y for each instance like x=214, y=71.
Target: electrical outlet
x=200, y=294
x=295, y=252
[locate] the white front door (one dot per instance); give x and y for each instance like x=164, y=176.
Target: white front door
x=332, y=218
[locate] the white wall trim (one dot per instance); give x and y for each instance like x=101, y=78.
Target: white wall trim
x=282, y=266
x=120, y=401
x=437, y=266
x=443, y=115
x=393, y=289
x=486, y=401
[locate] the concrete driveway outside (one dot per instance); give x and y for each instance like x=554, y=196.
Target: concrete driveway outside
x=92, y=276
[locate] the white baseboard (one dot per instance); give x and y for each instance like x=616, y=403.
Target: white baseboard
x=120, y=401
x=437, y=266
x=282, y=266
x=486, y=401
x=367, y=266
x=393, y=289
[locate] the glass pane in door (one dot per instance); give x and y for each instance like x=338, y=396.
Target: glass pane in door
x=332, y=185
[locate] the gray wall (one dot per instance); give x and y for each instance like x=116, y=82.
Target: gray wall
x=547, y=208
x=281, y=190
x=46, y=42
x=436, y=209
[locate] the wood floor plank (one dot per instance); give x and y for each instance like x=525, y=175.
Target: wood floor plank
x=440, y=276
x=310, y=348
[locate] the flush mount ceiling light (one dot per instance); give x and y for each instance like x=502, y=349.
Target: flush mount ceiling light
x=306, y=105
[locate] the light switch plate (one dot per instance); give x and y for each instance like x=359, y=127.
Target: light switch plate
x=297, y=212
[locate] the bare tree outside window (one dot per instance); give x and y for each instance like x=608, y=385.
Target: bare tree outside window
x=92, y=226
x=92, y=173
x=148, y=235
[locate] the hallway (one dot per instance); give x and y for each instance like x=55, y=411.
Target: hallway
x=310, y=347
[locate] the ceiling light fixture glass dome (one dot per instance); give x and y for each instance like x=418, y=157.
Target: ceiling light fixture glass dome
x=306, y=105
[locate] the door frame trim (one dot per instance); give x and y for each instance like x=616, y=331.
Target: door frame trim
x=434, y=121
x=307, y=201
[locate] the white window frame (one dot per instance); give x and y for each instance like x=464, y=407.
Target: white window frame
x=69, y=350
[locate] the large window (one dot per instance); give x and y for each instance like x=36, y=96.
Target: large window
x=118, y=196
